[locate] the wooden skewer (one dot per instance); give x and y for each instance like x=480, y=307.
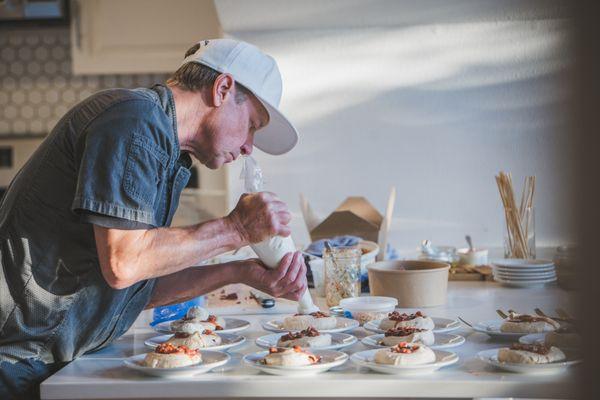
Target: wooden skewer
x=502, y=314
x=465, y=322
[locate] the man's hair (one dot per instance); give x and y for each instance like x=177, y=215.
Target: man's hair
x=195, y=77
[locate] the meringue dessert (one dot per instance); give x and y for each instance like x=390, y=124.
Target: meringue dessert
x=318, y=320
x=405, y=354
x=525, y=323
x=293, y=357
x=168, y=356
x=309, y=337
x=564, y=337
x=396, y=319
x=197, y=319
x=530, y=354
x=407, y=334
x=195, y=340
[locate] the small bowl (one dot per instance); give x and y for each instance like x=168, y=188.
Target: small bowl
x=414, y=283
x=475, y=257
x=368, y=308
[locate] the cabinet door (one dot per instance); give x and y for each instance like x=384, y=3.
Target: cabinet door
x=138, y=36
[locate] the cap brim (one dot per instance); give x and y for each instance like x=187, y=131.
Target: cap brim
x=279, y=136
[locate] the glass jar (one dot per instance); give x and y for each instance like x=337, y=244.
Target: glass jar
x=342, y=273
x=519, y=235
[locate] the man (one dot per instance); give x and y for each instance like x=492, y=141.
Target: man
x=84, y=238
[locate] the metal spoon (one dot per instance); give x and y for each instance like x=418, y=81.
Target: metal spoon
x=470, y=243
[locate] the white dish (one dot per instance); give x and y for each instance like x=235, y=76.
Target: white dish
x=524, y=284
x=231, y=325
x=533, y=338
x=526, y=271
x=338, y=341
x=366, y=359
x=511, y=278
x=329, y=359
x=521, y=264
x=491, y=357
x=228, y=340
x=442, y=325
x=210, y=360
x=492, y=328
x=442, y=341
x=343, y=325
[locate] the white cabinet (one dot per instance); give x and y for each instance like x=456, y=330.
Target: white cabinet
x=137, y=36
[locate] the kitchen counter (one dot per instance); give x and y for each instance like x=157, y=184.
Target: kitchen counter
x=102, y=375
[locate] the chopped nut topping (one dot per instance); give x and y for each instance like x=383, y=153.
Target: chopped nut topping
x=310, y=332
x=168, y=348
x=396, y=316
x=404, y=348
x=403, y=331
x=533, y=348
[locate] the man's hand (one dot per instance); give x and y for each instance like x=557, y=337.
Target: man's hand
x=259, y=216
x=288, y=280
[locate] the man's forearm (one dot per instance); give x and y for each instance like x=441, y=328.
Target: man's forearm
x=193, y=282
x=127, y=257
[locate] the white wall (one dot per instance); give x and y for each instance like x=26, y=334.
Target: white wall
x=432, y=97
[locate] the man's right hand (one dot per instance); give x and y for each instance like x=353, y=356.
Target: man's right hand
x=259, y=216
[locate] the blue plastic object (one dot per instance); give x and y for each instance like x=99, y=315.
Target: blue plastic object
x=175, y=311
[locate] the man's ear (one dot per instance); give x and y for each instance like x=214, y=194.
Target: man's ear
x=222, y=88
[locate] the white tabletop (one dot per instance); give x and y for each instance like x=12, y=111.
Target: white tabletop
x=102, y=375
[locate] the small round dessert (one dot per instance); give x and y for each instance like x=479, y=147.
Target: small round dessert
x=195, y=340
x=525, y=323
x=168, y=356
x=530, y=354
x=564, y=337
x=309, y=337
x=318, y=320
x=293, y=357
x=405, y=354
x=191, y=325
x=197, y=312
x=396, y=319
x=408, y=334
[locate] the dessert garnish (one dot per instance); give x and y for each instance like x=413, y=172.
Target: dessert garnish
x=533, y=348
x=396, y=316
x=168, y=348
x=404, y=348
x=403, y=331
x=310, y=332
x=528, y=318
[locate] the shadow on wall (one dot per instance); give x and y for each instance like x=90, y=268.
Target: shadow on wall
x=435, y=110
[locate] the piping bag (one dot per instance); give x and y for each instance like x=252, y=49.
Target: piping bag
x=271, y=251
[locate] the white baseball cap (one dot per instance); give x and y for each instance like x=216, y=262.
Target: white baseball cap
x=258, y=73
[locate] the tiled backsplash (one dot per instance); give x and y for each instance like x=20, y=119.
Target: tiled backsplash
x=36, y=84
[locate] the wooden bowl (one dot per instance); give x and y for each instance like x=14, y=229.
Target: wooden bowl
x=415, y=283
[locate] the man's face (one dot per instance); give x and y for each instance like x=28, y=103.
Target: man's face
x=228, y=130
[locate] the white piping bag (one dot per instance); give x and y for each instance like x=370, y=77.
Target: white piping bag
x=271, y=251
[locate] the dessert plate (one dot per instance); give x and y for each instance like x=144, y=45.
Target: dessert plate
x=228, y=341
x=231, y=325
x=442, y=359
x=442, y=341
x=442, y=325
x=338, y=341
x=210, y=360
x=492, y=328
x=329, y=359
x=491, y=357
x=343, y=325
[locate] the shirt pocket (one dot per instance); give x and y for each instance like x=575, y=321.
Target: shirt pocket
x=144, y=170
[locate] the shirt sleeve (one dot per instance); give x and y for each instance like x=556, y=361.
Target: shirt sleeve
x=122, y=167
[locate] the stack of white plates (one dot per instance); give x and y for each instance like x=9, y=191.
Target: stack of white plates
x=524, y=273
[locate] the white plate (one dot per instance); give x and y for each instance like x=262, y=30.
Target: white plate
x=492, y=328
x=210, y=360
x=441, y=325
x=343, y=325
x=330, y=359
x=231, y=325
x=533, y=338
x=228, y=340
x=442, y=341
x=491, y=357
x=524, y=284
x=525, y=278
x=520, y=264
x=524, y=271
x=366, y=359
x=338, y=341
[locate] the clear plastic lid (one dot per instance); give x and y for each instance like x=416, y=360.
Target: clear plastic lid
x=369, y=303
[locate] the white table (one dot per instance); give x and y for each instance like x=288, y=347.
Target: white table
x=102, y=375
